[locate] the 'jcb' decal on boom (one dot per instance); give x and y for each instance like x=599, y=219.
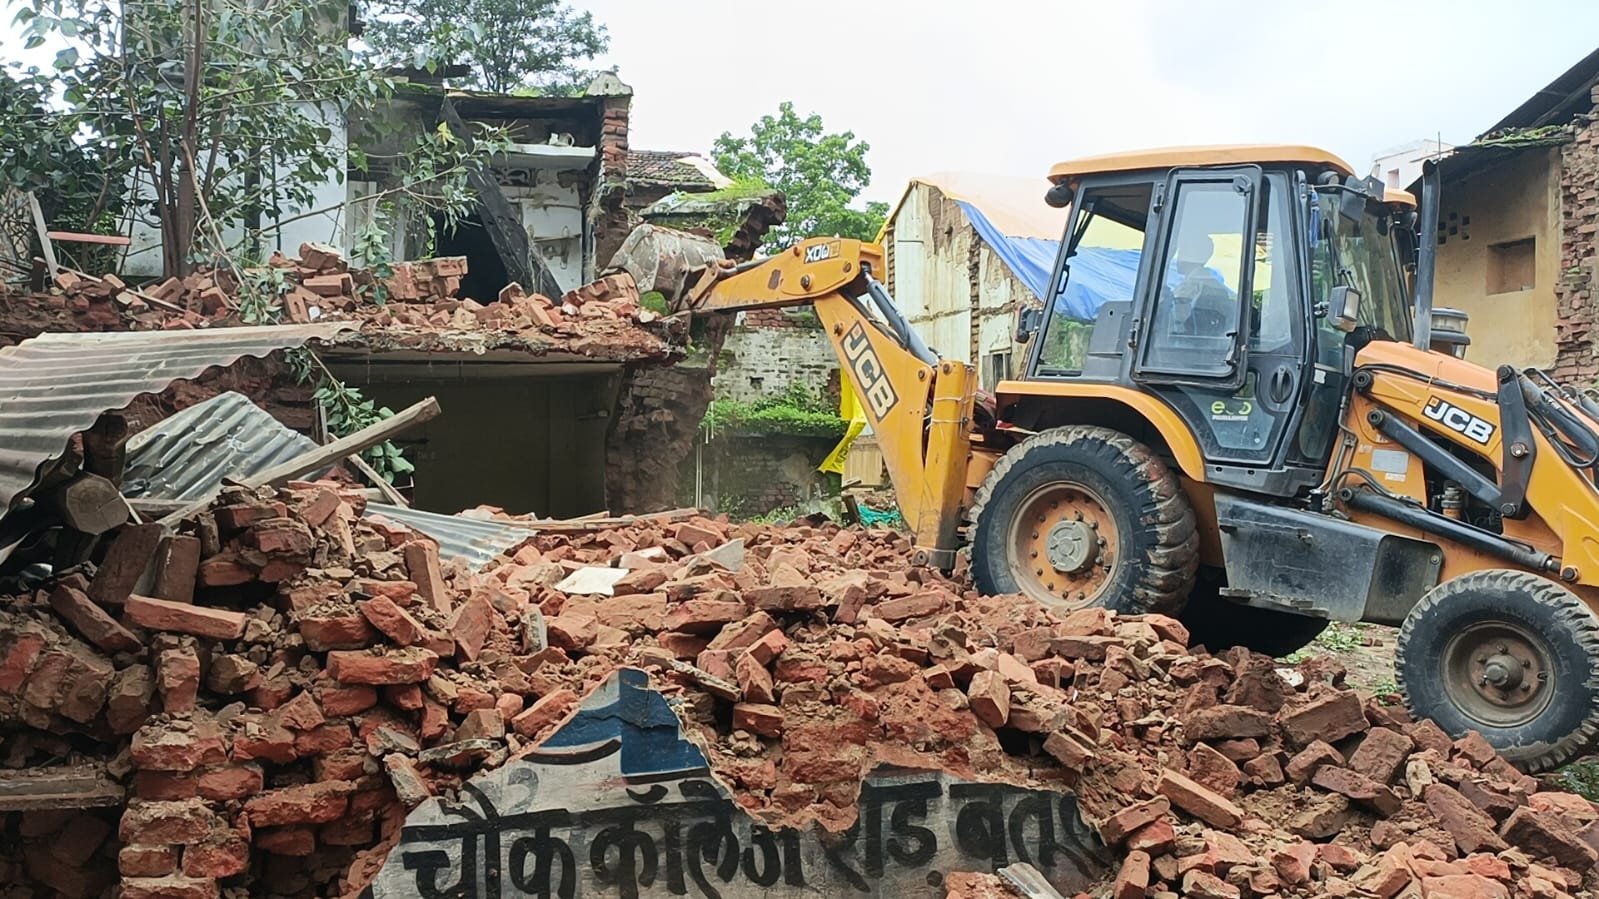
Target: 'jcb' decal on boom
x=867, y=370
x=1459, y=420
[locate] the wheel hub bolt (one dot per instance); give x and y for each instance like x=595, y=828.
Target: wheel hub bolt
x=1502, y=671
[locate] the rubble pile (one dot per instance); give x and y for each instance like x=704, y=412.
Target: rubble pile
x=321, y=285
x=297, y=677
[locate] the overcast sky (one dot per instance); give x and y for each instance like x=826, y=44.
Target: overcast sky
x=1011, y=86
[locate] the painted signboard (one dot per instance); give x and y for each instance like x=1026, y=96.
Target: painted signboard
x=618, y=803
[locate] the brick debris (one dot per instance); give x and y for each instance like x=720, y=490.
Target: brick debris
x=324, y=672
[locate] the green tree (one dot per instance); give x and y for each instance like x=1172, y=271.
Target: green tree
x=820, y=173
x=512, y=45
x=214, y=119
x=72, y=190
x=204, y=106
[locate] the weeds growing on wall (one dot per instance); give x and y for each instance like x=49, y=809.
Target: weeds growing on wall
x=795, y=411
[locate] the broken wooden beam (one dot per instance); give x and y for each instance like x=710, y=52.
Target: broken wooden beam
x=323, y=456
x=379, y=482
x=329, y=453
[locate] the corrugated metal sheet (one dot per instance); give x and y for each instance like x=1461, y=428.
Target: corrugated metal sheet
x=186, y=456
x=478, y=542
x=57, y=385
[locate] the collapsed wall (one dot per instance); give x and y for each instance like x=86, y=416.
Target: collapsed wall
x=299, y=700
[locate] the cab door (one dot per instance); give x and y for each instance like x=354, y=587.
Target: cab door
x=1219, y=338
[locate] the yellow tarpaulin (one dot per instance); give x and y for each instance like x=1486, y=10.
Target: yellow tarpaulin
x=849, y=409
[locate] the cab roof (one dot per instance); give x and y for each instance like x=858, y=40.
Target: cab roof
x=1393, y=196
x=1181, y=157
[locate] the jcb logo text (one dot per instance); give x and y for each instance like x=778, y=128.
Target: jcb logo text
x=1459, y=420
x=867, y=370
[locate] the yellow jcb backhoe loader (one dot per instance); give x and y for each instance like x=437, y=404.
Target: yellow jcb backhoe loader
x=1231, y=400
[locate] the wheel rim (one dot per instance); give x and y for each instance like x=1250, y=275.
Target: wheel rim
x=1063, y=544
x=1499, y=673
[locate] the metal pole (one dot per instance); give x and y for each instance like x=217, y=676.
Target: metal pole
x=1426, y=254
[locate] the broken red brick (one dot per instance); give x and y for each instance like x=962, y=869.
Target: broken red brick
x=422, y=565
x=743, y=633
x=395, y=622
x=301, y=712
x=1471, y=829
x=178, y=679
x=989, y=696
x=1198, y=800
x=917, y=605
x=1358, y=788
x=482, y=724
x=403, y=666
x=348, y=630
x=165, y=747
x=546, y=711
x=1328, y=719
x=179, y=822
x=1542, y=836
x=1225, y=722
x=91, y=621
x=704, y=616
x=1115, y=829
x=1132, y=879
x=754, y=681
x=758, y=718
x=315, y=803
x=175, y=886
x=343, y=700
x=469, y=626
x=140, y=860
x=183, y=618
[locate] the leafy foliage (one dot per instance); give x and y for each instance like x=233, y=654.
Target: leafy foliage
x=820, y=173
x=521, y=46
x=795, y=411
x=73, y=191
x=348, y=411
x=1580, y=777
x=207, y=107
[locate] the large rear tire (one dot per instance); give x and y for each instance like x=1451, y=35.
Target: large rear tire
x=1083, y=516
x=1509, y=654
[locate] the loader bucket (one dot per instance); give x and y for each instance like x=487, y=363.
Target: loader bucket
x=664, y=260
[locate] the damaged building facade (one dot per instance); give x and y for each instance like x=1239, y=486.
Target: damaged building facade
x=965, y=253
x=557, y=407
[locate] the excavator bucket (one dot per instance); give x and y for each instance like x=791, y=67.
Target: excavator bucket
x=664, y=260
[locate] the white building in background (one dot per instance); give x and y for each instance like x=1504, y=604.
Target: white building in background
x=1400, y=166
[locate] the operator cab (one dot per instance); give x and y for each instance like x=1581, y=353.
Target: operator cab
x=1233, y=283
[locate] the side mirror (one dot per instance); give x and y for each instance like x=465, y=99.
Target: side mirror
x=1028, y=319
x=1343, y=304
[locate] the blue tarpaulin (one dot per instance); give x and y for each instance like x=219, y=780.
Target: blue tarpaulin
x=1098, y=275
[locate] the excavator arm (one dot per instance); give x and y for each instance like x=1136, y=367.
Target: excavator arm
x=919, y=405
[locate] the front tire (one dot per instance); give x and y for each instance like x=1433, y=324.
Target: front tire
x=1509, y=654
x=1083, y=516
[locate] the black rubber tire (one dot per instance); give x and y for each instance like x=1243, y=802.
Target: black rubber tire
x=1217, y=623
x=1159, y=542
x=1569, y=630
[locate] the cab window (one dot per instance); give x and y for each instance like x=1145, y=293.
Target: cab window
x=1096, y=287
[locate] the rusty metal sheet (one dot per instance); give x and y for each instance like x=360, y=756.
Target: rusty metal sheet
x=186, y=457
x=57, y=385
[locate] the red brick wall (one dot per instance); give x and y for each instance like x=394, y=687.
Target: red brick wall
x=1576, y=338
x=611, y=221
